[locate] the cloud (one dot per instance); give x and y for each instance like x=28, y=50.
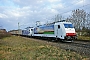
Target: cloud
x=52, y=1
x=3, y=16
x=78, y=2
x=27, y=12
x=22, y=3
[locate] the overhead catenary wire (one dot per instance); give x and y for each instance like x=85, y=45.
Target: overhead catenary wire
x=76, y=8
x=71, y=10
x=57, y=16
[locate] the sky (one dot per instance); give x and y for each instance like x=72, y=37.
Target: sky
x=27, y=12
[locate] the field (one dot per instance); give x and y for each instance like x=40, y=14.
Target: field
x=19, y=48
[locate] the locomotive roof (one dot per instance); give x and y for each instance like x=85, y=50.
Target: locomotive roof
x=56, y=23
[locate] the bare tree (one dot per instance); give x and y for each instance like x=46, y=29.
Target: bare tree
x=88, y=21
x=78, y=18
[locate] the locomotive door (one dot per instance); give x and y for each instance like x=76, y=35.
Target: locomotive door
x=59, y=32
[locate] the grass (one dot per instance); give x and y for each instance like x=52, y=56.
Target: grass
x=83, y=37
x=18, y=48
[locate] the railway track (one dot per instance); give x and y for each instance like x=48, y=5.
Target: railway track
x=80, y=47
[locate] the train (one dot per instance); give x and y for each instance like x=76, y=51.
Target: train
x=61, y=31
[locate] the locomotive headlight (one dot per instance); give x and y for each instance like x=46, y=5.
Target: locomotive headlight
x=66, y=34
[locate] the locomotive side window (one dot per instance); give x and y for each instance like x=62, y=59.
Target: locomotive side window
x=58, y=26
x=31, y=29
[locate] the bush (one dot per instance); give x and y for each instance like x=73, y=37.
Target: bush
x=84, y=32
x=4, y=34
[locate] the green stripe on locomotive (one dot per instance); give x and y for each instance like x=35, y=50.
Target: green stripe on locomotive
x=49, y=32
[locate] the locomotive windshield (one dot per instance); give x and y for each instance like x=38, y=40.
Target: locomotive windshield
x=68, y=26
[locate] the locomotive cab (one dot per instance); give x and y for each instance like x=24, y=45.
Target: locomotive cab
x=65, y=31
x=70, y=32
